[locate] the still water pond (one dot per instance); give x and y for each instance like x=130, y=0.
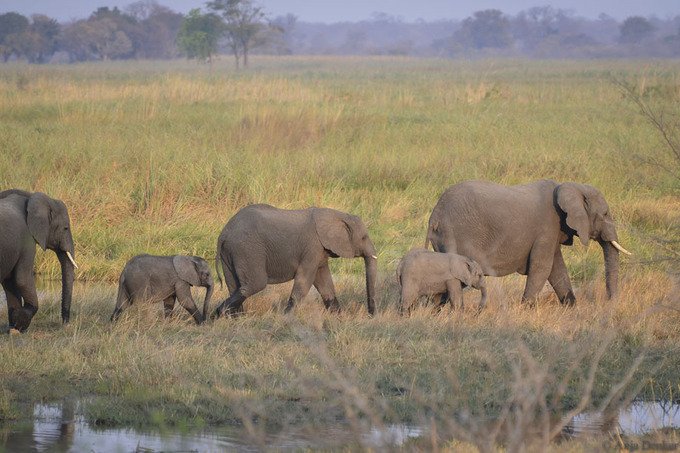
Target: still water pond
x=58, y=428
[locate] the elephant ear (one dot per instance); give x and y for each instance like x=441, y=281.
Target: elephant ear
x=334, y=231
x=461, y=269
x=476, y=273
x=38, y=217
x=186, y=269
x=572, y=201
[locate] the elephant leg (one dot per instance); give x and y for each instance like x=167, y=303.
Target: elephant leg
x=408, y=297
x=559, y=280
x=444, y=299
x=540, y=266
x=231, y=306
x=183, y=292
x=13, y=301
x=301, y=286
x=323, y=283
x=169, y=305
x=26, y=287
x=249, y=276
x=455, y=290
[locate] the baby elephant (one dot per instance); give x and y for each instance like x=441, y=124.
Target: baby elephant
x=422, y=272
x=164, y=278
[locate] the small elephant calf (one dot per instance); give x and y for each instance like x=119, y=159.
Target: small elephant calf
x=164, y=278
x=422, y=272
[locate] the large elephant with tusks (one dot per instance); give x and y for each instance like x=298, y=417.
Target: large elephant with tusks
x=522, y=229
x=262, y=244
x=28, y=218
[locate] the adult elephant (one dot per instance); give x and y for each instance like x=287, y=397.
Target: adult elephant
x=521, y=229
x=262, y=244
x=26, y=219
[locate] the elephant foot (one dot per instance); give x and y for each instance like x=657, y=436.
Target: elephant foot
x=22, y=319
x=569, y=300
x=332, y=305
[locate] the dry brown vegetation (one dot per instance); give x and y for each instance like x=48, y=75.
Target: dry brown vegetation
x=156, y=159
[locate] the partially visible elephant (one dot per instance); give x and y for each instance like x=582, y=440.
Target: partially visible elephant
x=26, y=219
x=422, y=272
x=262, y=244
x=521, y=229
x=164, y=278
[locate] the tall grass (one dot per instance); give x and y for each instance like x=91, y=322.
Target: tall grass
x=156, y=157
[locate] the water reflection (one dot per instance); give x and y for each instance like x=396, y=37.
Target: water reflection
x=639, y=418
x=57, y=428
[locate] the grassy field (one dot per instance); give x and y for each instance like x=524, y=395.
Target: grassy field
x=155, y=157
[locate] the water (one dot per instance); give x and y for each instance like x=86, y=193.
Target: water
x=639, y=418
x=58, y=428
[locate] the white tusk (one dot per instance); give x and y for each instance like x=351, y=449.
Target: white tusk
x=72, y=260
x=618, y=247
x=375, y=257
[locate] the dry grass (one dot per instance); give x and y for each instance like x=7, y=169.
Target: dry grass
x=156, y=158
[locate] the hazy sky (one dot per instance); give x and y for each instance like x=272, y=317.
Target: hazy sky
x=353, y=10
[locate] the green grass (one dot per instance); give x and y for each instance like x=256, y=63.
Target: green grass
x=155, y=157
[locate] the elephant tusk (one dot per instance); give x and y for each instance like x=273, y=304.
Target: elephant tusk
x=71, y=259
x=375, y=257
x=618, y=247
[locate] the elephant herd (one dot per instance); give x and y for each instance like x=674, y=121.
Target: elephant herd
x=476, y=229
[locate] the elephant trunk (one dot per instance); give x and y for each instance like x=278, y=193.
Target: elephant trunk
x=482, y=288
x=611, y=268
x=371, y=274
x=206, y=302
x=68, y=275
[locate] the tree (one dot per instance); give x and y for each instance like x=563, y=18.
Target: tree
x=282, y=28
x=77, y=40
x=634, y=30
x=124, y=23
x=158, y=28
x=11, y=25
x=38, y=42
x=486, y=29
x=534, y=25
x=244, y=21
x=199, y=34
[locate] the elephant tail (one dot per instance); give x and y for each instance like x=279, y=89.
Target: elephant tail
x=428, y=237
x=218, y=264
x=122, y=299
x=400, y=266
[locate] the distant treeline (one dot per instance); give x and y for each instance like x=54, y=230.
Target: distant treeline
x=148, y=30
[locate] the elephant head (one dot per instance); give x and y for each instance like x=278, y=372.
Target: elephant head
x=584, y=212
x=196, y=272
x=49, y=224
x=472, y=275
x=345, y=235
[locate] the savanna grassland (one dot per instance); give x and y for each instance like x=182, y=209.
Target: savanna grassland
x=155, y=157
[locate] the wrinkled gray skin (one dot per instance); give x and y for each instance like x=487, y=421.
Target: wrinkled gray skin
x=425, y=273
x=164, y=278
x=26, y=219
x=521, y=229
x=262, y=245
